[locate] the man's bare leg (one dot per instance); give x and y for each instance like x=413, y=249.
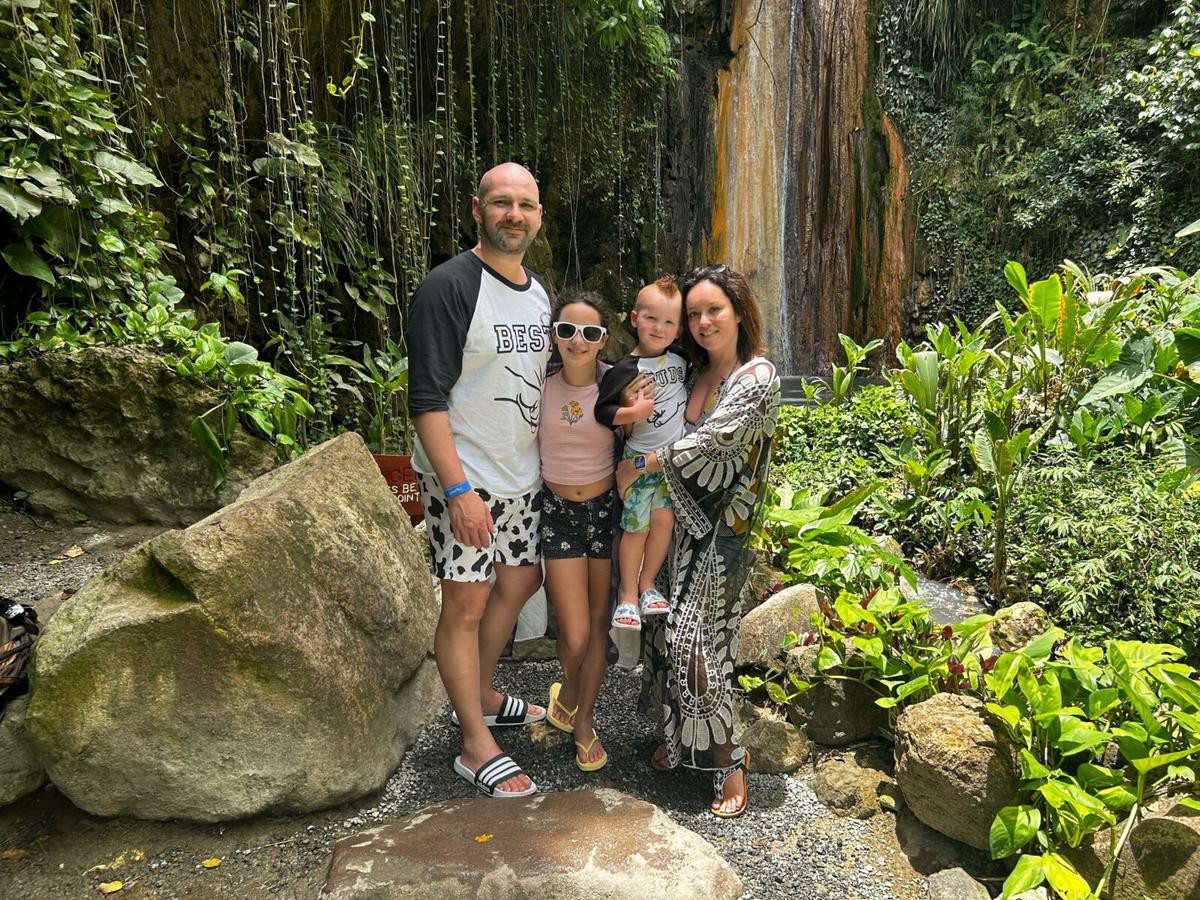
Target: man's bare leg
x=456, y=649
x=514, y=585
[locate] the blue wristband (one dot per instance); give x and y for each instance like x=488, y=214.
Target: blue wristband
x=455, y=489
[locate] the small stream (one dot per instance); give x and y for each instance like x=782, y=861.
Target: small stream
x=947, y=604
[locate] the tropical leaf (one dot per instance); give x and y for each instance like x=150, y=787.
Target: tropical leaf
x=26, y=261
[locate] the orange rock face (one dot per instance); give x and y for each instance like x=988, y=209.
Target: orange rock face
x=810, y=185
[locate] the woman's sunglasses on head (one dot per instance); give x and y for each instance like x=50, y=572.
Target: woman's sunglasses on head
x=593, y=334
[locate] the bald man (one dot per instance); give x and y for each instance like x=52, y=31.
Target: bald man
x=478, y=343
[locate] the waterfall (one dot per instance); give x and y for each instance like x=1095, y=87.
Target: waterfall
x=809, y=184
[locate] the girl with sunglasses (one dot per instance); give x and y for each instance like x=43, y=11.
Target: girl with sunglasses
x=577, y=525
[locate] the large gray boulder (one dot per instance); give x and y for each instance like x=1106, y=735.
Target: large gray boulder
x=956, y=766
x=106, y=431
x=20, y=772
x=273, y=657
x=764, y=627
x=562, y=846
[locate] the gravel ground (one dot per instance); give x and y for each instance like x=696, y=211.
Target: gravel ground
x=786, y=843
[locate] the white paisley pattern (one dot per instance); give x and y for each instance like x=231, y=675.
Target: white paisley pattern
x=715, y=475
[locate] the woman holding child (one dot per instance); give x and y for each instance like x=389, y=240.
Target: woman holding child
x=716, y=475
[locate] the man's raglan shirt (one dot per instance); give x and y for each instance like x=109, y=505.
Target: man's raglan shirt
x=665, y=425
x=477, y=348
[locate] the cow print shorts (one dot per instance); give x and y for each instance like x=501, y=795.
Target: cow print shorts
x=514, y=543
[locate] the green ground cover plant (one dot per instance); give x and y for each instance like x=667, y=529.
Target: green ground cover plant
x=1101, y=731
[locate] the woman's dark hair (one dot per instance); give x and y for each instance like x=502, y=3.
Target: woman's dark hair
x=736, y=288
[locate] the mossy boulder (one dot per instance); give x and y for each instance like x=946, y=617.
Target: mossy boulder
x=763, y=629
x=273, y=657
x=106, y=431
x=20, y=773
x=956, y=766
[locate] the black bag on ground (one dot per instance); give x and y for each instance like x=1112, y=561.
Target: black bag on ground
x=18, y=631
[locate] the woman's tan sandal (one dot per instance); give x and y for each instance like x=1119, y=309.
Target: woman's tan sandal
x=556, y=704
x=581, y=751
x=744, y=765
x=661, y=763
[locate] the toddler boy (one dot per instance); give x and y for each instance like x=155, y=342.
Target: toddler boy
x=652, y=423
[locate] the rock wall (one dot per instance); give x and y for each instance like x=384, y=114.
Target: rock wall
x=809, y=185
x=105, y=432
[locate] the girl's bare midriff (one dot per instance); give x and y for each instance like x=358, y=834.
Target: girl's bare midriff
x=577, y=493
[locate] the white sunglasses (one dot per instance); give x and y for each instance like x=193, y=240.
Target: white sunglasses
x=593, y=334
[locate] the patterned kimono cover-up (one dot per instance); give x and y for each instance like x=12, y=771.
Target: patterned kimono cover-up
x=716, y=475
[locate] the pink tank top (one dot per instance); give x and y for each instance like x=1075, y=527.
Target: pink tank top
x=575, y=448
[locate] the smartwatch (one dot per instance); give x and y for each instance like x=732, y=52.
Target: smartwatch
x=639, y=462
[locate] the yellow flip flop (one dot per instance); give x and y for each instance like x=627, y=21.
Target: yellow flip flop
x=560, y=724
x=595, y=764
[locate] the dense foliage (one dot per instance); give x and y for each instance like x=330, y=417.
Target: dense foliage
x=292, y=193
x=1048, y=455
x=1039, y=130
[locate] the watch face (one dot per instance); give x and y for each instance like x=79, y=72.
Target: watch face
x=639, y=462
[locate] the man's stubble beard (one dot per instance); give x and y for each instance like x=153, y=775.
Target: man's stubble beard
x=506, y=245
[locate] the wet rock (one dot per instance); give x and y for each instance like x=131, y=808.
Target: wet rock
x=20, y=772
x=955, y=884
x=106, y=431
x=776, y=746
x=956, y=766
x=834, y=712
x=764, y=627
x=1015, y=626
x=273, y=657
x=554, y=846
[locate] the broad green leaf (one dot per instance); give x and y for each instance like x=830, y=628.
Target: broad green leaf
x=125, y=168
x=911, y=687
x=237, y=353
x=1187, y=342
x=18, y=204
x=1031, y=767
x=1101, y=701
x=1042, y=646
x=1027, y=874
x=1045, y=301
x=25, y=261
x=1158, y=760
x=999, y=681
x=827, y=659
x=1010, y=714
x=1188, y=230
x=1014, y=274
x=1061, y=875
x=1077, y=737
x=1012, y=829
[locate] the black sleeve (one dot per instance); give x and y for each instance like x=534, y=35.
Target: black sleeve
x=439, y=318
x=615, y=380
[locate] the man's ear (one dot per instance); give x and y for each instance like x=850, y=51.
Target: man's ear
x=476, y=212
